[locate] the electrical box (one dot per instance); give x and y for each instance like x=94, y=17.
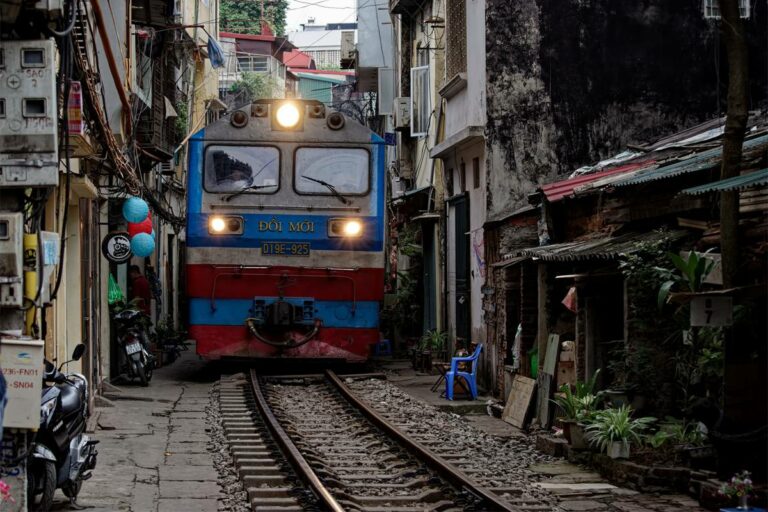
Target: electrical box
x=29, y=154
x=21, y=362
x=403, y=113
x=11, y=263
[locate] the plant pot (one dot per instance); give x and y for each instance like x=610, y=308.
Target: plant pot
x=743, y=502
x=578, y=437
x=567, y=426
x=618, y=450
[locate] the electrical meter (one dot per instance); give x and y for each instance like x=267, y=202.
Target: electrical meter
x=11, y=249
x=28, y=114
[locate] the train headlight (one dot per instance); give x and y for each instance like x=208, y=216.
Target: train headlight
x=229, y=225
x=347, y=228
x=288, y=115
x=353, y=228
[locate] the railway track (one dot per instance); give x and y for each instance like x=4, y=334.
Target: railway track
x=307, y=443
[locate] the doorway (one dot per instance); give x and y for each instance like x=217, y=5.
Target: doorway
x=463, y=302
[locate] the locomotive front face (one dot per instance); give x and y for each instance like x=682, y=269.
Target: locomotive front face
x=285, y=234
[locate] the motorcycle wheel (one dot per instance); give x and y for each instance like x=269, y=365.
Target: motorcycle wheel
x=73, y=491
x=141, y=372
x=148, y=369
x=42, y=472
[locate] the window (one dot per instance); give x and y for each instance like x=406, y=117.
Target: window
x=32, y=58
x=2, y=58
x=475, y=173
x=322, y=170
x=233, y=168
x=456, y=38
x=420, y=108
x=2, y=107
x=712, y=9
x=253, y=63
x=462, y=177
x=33, y=107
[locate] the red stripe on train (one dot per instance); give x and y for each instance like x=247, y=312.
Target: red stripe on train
x=231, y=283
x=217, y=341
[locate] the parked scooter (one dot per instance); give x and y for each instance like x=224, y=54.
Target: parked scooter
x=132, y=337
x=61, y=455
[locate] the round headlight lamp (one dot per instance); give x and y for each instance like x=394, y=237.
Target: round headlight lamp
x=352, y=228
x=287, y=115
x=217, y=224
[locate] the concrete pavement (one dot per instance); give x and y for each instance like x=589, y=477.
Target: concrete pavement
x=153, y=450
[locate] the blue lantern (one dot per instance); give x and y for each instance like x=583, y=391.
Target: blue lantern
x=135, y=209
x=142, y=245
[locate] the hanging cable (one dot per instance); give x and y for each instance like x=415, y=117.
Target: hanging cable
x=72, y=20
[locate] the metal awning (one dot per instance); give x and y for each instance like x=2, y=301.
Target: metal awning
x=604, y=248
x=745, y=181
x=705, y=160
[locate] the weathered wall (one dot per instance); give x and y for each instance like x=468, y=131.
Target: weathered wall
x=572, y=81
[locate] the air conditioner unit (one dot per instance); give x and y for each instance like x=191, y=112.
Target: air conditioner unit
x=403, y=113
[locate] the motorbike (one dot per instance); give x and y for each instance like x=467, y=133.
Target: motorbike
x=132, y=337
x=61, y=455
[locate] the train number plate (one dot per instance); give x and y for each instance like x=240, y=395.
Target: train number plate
x=285, y=249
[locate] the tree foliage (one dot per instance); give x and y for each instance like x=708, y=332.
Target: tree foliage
x=243, y=17
x=252, y=86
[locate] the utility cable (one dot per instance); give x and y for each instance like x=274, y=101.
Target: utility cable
x=72, y=20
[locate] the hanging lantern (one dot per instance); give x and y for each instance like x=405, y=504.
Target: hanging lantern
x=145, y=226
x=142, y=245
x=135, y=209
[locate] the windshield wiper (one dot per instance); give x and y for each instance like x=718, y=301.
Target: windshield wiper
x=244, y=190
x=330, y=187
x=251, y=187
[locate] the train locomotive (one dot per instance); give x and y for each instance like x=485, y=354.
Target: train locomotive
x=285, y=234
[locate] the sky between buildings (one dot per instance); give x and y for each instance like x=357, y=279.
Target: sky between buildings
x=324, y=11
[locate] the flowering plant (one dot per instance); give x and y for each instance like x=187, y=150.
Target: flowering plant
x=740, y=485
x=5, y=492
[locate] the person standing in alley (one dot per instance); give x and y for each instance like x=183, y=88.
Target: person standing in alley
x=139, y=289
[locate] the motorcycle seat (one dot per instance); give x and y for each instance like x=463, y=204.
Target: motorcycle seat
x=70, y=399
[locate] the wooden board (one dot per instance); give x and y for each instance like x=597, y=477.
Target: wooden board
x=544, y=409
x=519, y=401
x=550, y=358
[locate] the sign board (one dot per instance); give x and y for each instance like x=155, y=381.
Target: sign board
x=711, y=311
x=116, y=247
x=519, y=401
x=21, y=362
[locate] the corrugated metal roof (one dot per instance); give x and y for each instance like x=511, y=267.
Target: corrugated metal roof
x=699, y=162
x=753, y=179
x=560, y=189
x=606, y=248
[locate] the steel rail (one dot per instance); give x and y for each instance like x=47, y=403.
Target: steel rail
x=445, y=469
x=300, y=465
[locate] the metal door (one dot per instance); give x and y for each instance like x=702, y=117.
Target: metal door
x=461, y=230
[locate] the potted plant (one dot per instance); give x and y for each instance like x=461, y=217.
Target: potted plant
x=613, y=430
x=577, y=406
x=431, y=342
x=739, y=487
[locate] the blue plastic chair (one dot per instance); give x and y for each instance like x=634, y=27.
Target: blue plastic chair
x=470, y=377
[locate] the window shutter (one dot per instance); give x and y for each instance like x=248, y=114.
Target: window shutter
x=456, y=38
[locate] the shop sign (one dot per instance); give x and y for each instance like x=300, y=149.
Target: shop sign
x=116, y=247
x=711, y=311
x=22, y=366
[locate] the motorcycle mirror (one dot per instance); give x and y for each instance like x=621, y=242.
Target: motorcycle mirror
x=78, y=352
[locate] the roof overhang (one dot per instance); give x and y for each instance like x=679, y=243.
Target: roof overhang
x=465, y=137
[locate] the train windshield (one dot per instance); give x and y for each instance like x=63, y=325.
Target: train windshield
x=332, y=171
x=234, y=168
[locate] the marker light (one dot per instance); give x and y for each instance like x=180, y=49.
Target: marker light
x=217, y=224
x=287, y=115
x=353, y=228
